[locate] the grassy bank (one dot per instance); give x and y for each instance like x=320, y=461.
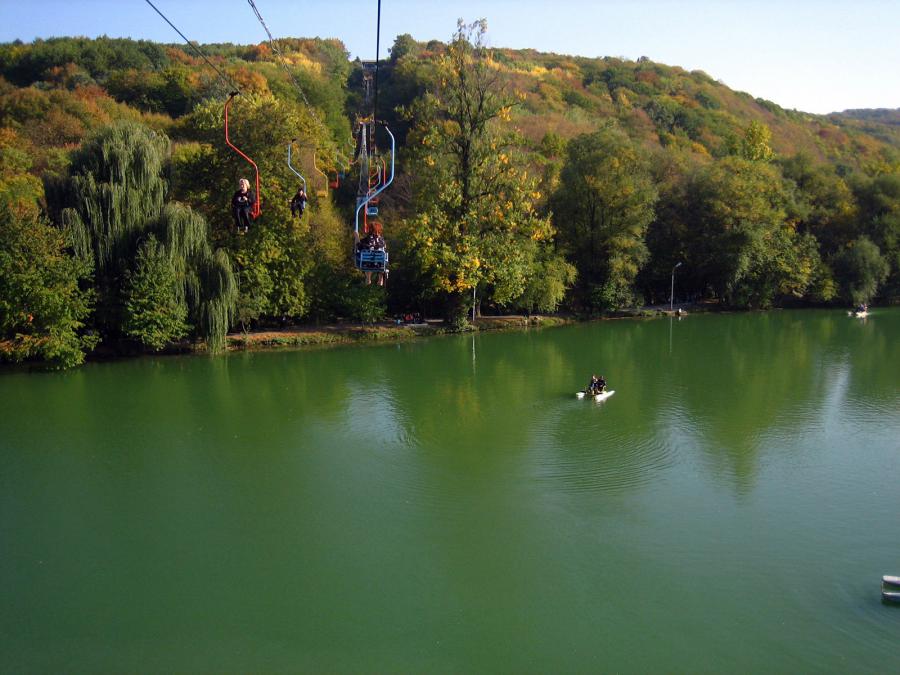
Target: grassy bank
x=303, y=336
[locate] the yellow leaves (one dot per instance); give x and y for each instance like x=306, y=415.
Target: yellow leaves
x=504, y=113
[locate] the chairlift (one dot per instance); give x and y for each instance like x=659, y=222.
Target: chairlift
x=323, y=192
x=257, y=208
x=291, y=167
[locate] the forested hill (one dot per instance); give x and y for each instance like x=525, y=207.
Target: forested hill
x=533, y=180
x=54, y=91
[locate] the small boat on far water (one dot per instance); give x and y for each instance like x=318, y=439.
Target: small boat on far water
x=890, y=589
x=891, y=581
x=597, y=397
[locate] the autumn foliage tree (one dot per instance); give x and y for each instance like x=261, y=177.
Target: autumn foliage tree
x=476, y=225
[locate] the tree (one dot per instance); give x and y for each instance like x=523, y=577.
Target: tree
x=756, y=144
x=879, y=220
x=154, y=312
x=111, y=201
x=42, y=304
x=275, y=260
x=476, y=225
x=602, y=208
x=738, y=208
x=860, y=270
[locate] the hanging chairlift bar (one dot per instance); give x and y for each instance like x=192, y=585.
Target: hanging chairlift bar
x=368, y=198
x=320, y=193
x=291, y=167
x=257, y=208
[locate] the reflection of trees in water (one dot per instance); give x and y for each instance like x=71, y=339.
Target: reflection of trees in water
x=756, y=370
x=873, y=350
x=766, y=376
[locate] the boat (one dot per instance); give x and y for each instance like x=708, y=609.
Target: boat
x=890, y=581
x=597, y=397
x=890, y=596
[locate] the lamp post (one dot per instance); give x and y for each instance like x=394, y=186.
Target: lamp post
x=672, y=290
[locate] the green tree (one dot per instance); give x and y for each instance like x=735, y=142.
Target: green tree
x=860, y=270
x=738, y=208
x=275, y=260
x=822, y=203
x=756, y=144
x=602, y=208
x=546, y=285
x=476, y=224
x=879, y=220
x=42, y=304
x=154, y=312
x=112, y=199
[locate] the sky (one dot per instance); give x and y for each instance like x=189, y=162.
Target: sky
x=818, y=56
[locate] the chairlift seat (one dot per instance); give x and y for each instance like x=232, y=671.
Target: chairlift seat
x=372, y=260
x=371, y=210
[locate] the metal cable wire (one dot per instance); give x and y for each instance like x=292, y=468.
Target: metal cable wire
x=282, y=60
x=229, y=83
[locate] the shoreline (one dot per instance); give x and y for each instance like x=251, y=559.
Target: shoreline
x=304, y=336
x=301, y=336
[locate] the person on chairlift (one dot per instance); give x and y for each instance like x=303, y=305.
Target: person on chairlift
x=298, y=203
x=242, y=203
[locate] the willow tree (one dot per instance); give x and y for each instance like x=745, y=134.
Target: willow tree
x=476, y=226
x=111, y=203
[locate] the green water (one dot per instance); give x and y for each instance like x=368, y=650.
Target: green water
x=449, y=506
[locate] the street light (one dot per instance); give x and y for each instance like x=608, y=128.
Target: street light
x=672, y=291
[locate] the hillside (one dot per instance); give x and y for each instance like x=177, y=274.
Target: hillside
x=571, y=181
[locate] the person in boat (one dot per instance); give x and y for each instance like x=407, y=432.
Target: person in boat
x=298, y=203
x=592, y=385
x=241, y=204
x=601, y=385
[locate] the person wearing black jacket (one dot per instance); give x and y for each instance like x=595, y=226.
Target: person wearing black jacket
x=241, y=205
x=298, y=203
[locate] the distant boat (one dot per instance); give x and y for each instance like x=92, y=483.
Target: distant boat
x=890, y=589
x=597, y=397
x=890, y=581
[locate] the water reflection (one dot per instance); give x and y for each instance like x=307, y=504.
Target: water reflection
x=452, y=501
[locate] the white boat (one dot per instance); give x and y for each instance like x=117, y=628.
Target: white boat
x=890, y=596
x=892, y=581
x=858, y=315
x=597, y=397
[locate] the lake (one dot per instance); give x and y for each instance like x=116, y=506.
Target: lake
x=447, y=505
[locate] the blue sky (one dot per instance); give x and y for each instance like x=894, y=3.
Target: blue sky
x=813, y=55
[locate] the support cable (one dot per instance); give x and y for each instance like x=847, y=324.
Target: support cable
x=377, y=53
x=282, y=60
x=229, y=83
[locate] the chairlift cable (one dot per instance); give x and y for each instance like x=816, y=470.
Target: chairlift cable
x=282, y=60
x=229, y=83
x=377, y=53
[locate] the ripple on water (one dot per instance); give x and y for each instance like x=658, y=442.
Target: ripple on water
x=598, y=457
